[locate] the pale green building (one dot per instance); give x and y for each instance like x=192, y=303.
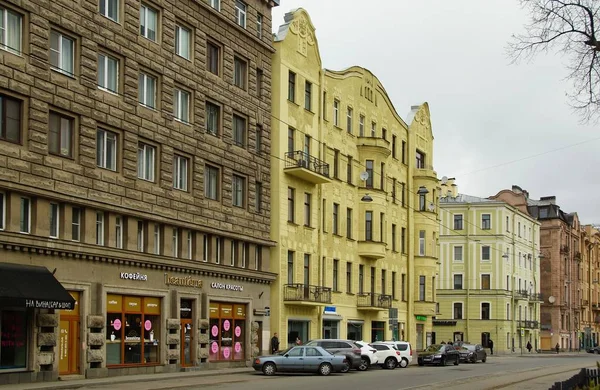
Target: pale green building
x=489, y=286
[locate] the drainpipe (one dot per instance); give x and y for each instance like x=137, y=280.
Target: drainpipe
x=468, y=272
x=320, y=230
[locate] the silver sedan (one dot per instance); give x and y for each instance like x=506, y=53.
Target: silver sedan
x=301, y=359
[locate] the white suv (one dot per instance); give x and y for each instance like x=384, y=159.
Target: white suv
x=387, y=356
x=405, y=351
x=367, y=355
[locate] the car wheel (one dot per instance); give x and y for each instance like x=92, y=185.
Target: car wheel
x=403, y=363
x=443, y=361
x=484, y=359
x=597, y=351
x=325, y=369
x=457, y=361
x=364, y=364
x=269, y=369
x=420, y=363
x=346, y=367
x=390, y=363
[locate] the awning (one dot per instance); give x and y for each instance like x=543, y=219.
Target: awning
x=356, y=322
x=332, y=316
x=32, y=287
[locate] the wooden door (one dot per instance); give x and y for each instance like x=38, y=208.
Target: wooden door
x=68, y=342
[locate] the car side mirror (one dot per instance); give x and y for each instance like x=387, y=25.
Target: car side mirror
x=286, y=355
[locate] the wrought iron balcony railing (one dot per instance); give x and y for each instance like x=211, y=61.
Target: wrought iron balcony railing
x=300, y=159
x=306, y=293
x=383, y=301
x=528, y=324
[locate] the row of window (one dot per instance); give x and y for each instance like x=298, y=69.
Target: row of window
x=486, y=311
x=350, y=271
x=67, y=222
x=486, y=224
x=485, y=283
x=526, y=261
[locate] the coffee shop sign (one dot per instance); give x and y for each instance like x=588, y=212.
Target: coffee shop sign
x=133, y=276
x=223, y=286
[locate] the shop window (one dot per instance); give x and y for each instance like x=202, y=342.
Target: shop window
x=132, y=330
x=227, y=332
x=13, y=339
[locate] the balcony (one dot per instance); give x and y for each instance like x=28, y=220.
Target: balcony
x=371, y=249
x=371, y=145
x=595, y=306
x=306, y=167
x=302, y=294
x=425, y=170
x=528, y=324
x=373, y=301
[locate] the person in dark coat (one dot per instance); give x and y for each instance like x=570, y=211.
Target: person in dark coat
x=557, y=347
x=529, y=346
x=491, y=345
x=274, y=343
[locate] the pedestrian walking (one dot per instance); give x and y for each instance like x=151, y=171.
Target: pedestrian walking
x=557, y=348
x=274, y=344
x=491, y=345
x=529, y=346
x=298, y=341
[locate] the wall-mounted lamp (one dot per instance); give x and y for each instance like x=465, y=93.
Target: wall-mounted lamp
x=422, y=190
x=366, y=198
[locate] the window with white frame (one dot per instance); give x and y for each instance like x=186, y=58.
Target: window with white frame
x=110, y=9
x=156, y=239
x=60, y=135
x=213, y=58
x=106, y=149
x=25, y=216
x=485, y=281
x=486, y=221
x=119, y=232
x=11, y=30
x=259, y=25
x=218, y=250
x=140, y=236
x=457, y=311
x=239, y=130
x=180, y=172
x=146, y=159
x=485, y=253
x=349, y=120
x=234, y=253
x=240, y=13
x=175, y=243
x=422, y=243
x=211, y=182
x=458, y=253
x=336, y=112
x=10, y=119
x=183, y=44
x=148, y=22
x=361, y=126
x=458, y=281
x=238, y=189
x=216, y=4
x=147, y=90
x=99, y=228
x=62, y=53
x=2, y=210
x=485, y=311
x=54, y=220
x=205, y=247
x=181, y=105
x=373, y=129
x=190, y=244
x=75, y=224
x=258, y=257
x=108, y=73
x=258, y=197
x=244, y=254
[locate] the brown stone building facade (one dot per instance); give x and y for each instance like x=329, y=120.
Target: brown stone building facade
x=134, y=169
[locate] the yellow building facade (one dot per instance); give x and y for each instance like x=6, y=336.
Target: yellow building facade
x=353, y=202
x=489, y=282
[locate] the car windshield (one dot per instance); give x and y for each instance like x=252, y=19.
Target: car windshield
x=360, y=344
x=469, y=347
x=434, y=348
x=284, y=352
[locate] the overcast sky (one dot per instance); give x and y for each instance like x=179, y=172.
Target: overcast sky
x=486, y=112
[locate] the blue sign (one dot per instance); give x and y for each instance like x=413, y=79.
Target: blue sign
x=329, y=309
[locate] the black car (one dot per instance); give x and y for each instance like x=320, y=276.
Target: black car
x=471, y=353
x=440, y=354
x=594, y=350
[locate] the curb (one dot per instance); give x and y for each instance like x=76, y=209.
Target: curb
x=78, y=384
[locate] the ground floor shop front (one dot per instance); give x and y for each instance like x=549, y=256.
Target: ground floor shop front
x=119, y=318
x=302, y=323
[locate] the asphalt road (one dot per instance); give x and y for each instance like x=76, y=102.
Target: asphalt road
x=510, y=372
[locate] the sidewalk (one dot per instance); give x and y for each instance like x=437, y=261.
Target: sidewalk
x=76, y=384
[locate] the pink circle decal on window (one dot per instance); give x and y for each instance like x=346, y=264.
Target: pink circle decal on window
x=226, y=353
x=214, y=330
x=226, y=325
x=214, y=347
x=238, y=347
x=117, y=324
x=238, y=331
x=147, y=325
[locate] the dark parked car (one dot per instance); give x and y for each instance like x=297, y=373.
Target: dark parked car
x=594, y=349
x=347, y=348
x=471, y=353
x=301, y=359
x=441, y=354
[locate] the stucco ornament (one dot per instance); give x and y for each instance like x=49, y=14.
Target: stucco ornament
x=301, y=27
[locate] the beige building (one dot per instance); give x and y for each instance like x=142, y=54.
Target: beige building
x=135, y=171
x=354, y=204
